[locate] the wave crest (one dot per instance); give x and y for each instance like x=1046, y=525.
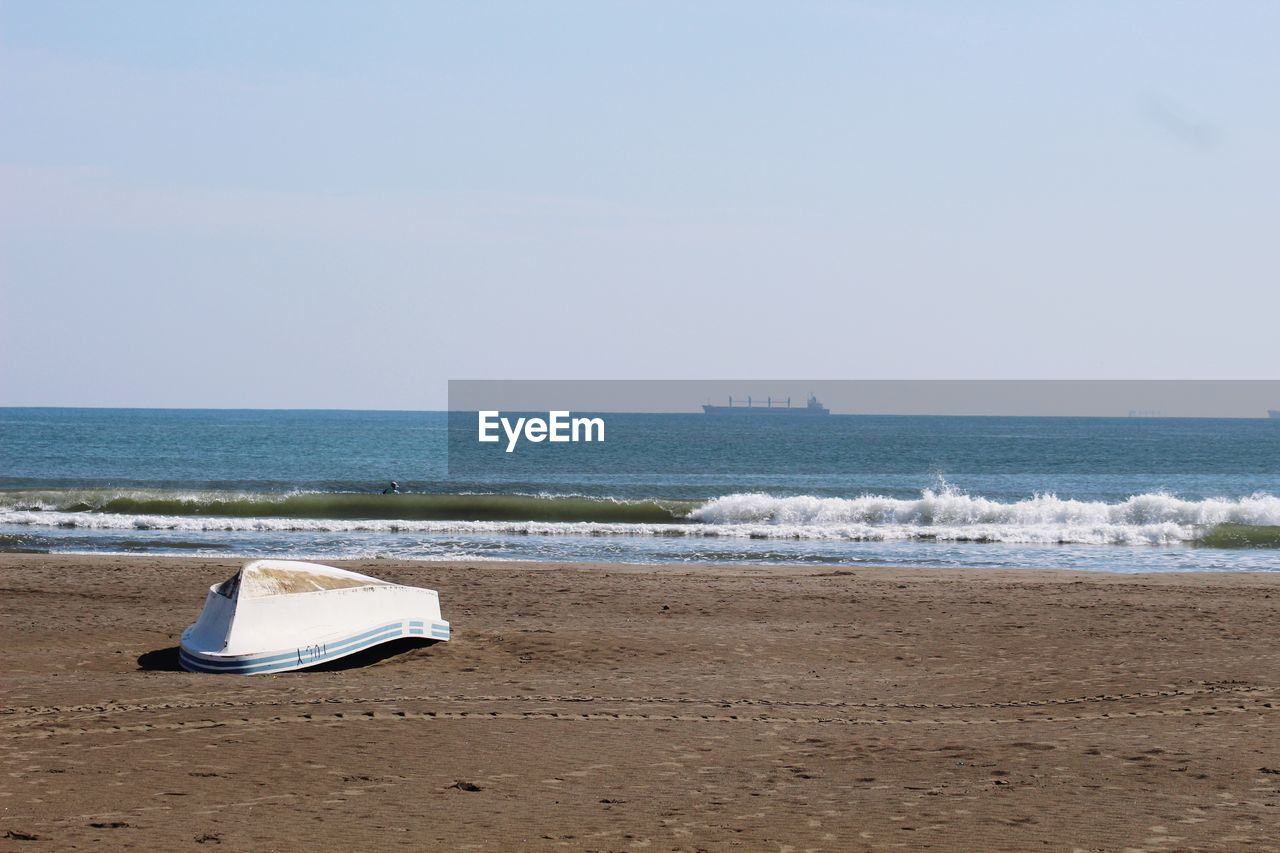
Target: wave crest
x=952, y=508
x=346, y=505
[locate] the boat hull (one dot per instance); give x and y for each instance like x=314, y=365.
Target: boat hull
x=280, y=615
x=311, y=652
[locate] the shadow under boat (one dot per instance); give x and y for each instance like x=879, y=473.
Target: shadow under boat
x=166, y=660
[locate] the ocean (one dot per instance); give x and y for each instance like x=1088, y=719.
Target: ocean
x=1106, y=494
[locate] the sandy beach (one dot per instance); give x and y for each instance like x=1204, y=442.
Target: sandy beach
x=615, y=707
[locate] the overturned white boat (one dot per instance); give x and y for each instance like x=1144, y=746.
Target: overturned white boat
x=278, y=615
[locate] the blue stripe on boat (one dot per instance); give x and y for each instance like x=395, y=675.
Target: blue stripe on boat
x=394, y=626
x=293, y=660
x=251, y=667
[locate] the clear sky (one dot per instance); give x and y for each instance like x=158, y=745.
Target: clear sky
x=345, y=205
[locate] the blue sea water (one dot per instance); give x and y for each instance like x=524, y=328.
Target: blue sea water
x=1126, y=494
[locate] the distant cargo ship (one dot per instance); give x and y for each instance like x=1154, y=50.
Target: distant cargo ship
x=1275, y=413
x=769, y=407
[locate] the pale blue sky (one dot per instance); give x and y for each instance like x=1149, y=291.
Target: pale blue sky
x=345, y=205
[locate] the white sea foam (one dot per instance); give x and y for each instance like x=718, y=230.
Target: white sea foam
x=949, y=508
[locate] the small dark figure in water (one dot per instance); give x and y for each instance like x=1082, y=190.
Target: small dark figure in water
x=393, y=489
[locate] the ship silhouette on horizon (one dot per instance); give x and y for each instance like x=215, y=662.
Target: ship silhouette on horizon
x=771, y=406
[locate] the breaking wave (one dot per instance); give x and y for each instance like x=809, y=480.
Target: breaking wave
x=951, y=515
x=345, y=505
x=949, y=507
x=944, y=514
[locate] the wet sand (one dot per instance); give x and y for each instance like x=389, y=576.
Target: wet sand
x=680, y=707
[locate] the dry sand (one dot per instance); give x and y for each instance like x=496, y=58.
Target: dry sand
x=612, y=707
